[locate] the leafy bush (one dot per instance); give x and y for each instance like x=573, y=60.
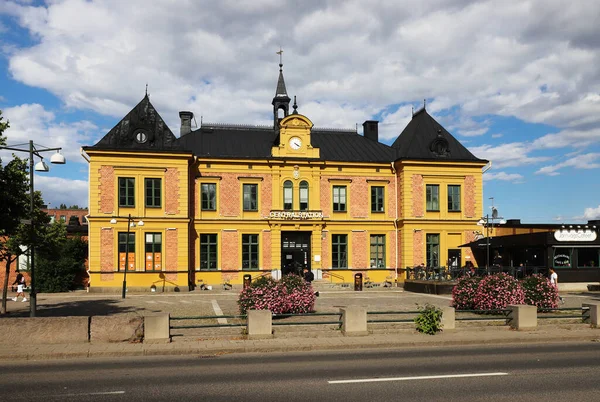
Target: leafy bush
x=540, y=292
x=429, y=320
x=463, y=293
x=495, y=292
x=290, y=295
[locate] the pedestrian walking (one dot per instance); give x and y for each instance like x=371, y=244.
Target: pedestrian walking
x=20, y=281
x=309, y=277
x=554, y=282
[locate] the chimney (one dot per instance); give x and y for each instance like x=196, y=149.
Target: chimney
x=370, y=130
x=186, y=122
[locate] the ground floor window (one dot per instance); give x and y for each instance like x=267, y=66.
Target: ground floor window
x=562, y=257
x=208, y=252
x=153, y=252
x=126, y=251
x=377, y=251
x=433, y=250
x=588, y=257
x=339, y=251
x=250, y=251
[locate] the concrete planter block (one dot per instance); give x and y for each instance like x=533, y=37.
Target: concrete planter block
x=354, y=321
x=260, y=324
x=157, y=328
x=594, y=311
x=522, y=316
x=44, y=330
x=119, y=328
x=448, y=318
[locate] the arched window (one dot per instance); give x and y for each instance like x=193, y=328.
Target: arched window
x=288, y=195
x=303, y=196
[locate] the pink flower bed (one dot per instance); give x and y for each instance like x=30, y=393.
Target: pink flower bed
x=495, y=292
x=463, y=294
x=540, y=292
x=290, y=295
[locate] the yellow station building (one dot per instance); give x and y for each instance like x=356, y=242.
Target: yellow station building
x=223, y=201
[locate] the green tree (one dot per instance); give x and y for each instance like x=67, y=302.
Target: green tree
x=59, y=259
x=15, y=207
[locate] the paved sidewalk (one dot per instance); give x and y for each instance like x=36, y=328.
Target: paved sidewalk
x=400, y=339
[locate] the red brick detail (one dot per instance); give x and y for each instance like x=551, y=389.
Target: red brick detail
x=391, y=198
x=107, y=255
x=266, y=251
x=325, y=253
x=106, y=189
x=106, y=277
x=325, y=196
x=401, y=197
x=359, y=198
x=172, y=191
x=171, y=250
x=469, y=196
x=469, y=237
x=229, y=250
x=266, y=195
x=359, y=250
x=418, y=193
x=230, y=195
x=418, y=248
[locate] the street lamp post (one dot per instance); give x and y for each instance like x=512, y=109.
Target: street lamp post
x=130, y=224
x=41, y=166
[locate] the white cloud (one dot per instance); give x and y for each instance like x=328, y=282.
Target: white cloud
x=34, y=122
x=56, y=190
x=535, y=60
x=503, y=176
x=592, y=213
x=507, y=155
x=581, y=161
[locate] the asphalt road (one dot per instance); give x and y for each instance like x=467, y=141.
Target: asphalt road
x=549, y=372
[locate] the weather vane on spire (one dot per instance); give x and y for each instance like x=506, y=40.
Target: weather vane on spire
x=280, y=53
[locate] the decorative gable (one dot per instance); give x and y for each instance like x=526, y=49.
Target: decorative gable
x=295, y=138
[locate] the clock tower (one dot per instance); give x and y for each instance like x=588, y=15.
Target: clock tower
x=281, y=101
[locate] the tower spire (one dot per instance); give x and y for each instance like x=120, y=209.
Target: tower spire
x=281, y=101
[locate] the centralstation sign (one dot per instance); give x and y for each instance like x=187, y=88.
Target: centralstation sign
x=575, y=235
x=296, y=215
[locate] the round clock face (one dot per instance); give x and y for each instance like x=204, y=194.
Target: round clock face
x=295, y=143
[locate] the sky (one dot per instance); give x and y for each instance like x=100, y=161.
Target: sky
x=517, y=82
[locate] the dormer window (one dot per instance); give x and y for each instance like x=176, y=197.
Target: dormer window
x=140, y=136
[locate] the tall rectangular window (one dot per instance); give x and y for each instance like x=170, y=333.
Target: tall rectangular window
x=339, y=198
x=250, y=251
x=250, y=197
x=288, y=195
x=433, y=250
x=153, y=252
x=377, y=199
x=208, y=197
x=303, y=196
x=433, y=197
x=377, y=252
x=126, y=192
x=339, y=251
x=208, y=252
x=126, y=251
x=153, y=193
x=453, y=198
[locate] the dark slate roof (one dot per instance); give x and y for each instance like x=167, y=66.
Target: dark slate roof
x=142, y=118
x=246, y=142
x=425, y=139
x=281, y=91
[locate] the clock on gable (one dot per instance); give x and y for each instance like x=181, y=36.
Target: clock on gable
x=295, y=143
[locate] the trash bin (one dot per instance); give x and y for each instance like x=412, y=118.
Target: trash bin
x=247, y=280
x=358, y=282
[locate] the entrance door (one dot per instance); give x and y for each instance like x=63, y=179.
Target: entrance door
x=295, y=252
x=454, y=258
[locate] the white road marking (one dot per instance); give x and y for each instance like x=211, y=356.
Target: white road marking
x=218, y=311
x=93, y=393
x=425, y=377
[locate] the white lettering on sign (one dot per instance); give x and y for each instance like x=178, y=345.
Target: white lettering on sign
x=295, y=215
x=575, y=235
